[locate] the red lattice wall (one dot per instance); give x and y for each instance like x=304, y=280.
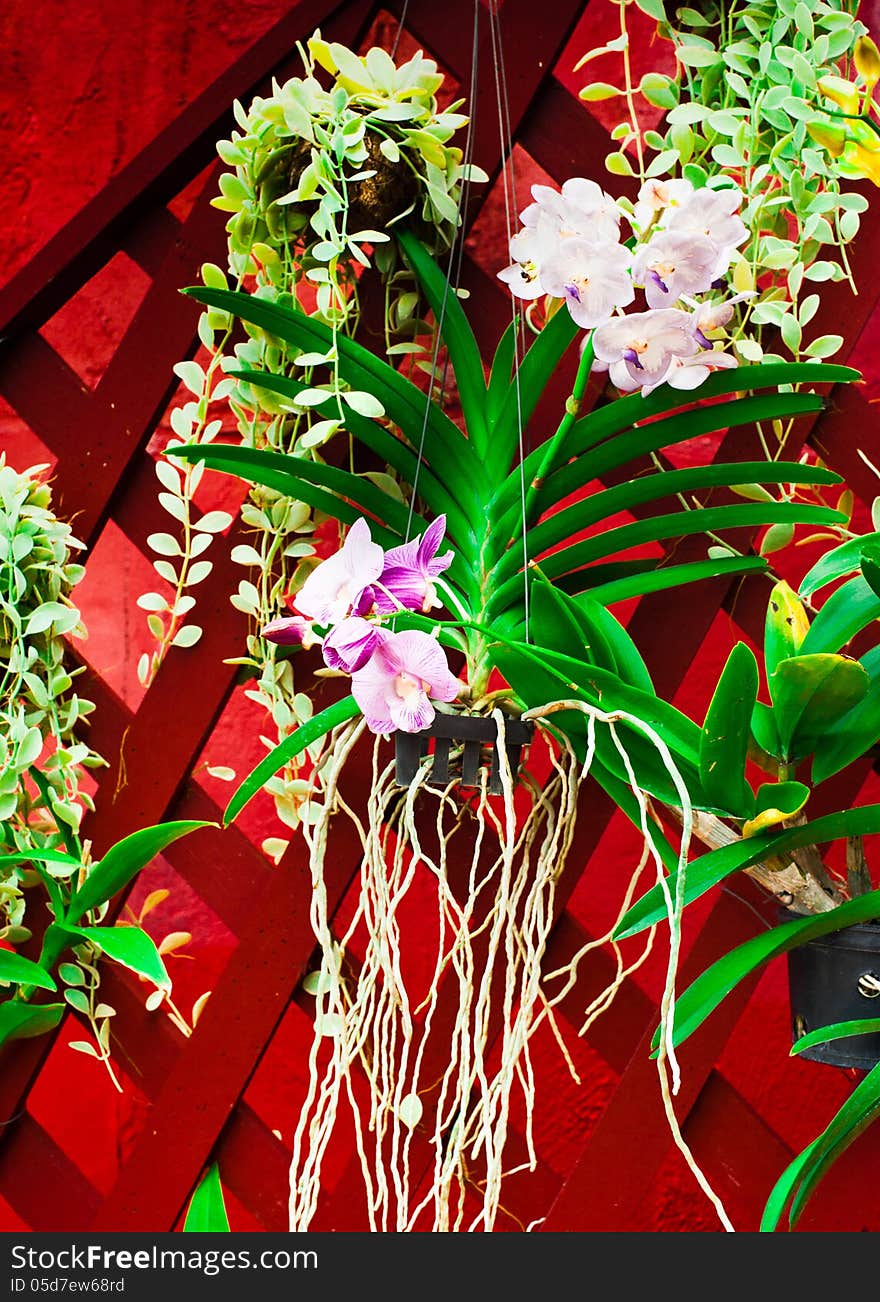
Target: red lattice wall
x=92, y=324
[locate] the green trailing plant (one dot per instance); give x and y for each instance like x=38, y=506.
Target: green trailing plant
x=755, y=97
x=42, y=760
x=321, y=170
x=43, y=793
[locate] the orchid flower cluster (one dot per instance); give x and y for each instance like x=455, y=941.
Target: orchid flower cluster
x=395, y=675
x=684, y=241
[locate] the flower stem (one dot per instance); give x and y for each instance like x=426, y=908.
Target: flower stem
x=572, y=410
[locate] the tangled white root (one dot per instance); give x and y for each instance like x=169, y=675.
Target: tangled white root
x=432, y=1127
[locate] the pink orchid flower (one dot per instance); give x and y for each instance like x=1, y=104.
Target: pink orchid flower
x=407, y=580
x=350, y=644
x=395, y=688
x=660, y=197
x=674, y=263
x=336, y=587
x=637, y=349
x=581, y=208
x=592, y=279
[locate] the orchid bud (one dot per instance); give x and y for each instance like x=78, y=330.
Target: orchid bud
x=830, y=137
x=842, y=92
x=866, y=57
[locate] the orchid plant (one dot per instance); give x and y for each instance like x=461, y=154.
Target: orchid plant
x=520, y=598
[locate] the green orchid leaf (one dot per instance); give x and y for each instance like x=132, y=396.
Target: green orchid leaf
x=870, y=567
x=20, y=1021
x=123, y=861
x=785, y=627
x=539, y=677
x=625, y=447
x=623, y=798
x=810, y=695
x=860, y=1110
x=836, y=1031
x=501, y=373
x=23, y=972
x=519, y=403
x=456, y=332
x=556, y=623
x=207, y=1208
x=783, y=1190
x=847, y=611
x=586, y=631
x=671, y=576
x=765, y=732
x=852, y=736
x=288, y=474
x=775, y=802
x=374, y=436
x=304, y=736
x=627, y=412
x=717, y=865
x=724, y=741
x=841, y=560
x=404, y=402
x=659, y=528
x=128, y=945
x=703, y=996
x=622, y=654
x=628, y=496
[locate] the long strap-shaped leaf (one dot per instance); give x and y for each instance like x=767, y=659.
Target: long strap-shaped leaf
x=392, y=450
x=625, y=448
x=525, y=390
x=651, y=488
x=538, y=679
x=673, y=576
x=715, y=866
x=404, y=403
x=350, y=497
x=307, y=733
x=289, y=475
x=860, y=1110
x=782, y=1191
x=681, y=524
x=457, y=334
x=711, y=987
x=631, y=410
x=847, y=611
x=841, y=560
x=501, y=372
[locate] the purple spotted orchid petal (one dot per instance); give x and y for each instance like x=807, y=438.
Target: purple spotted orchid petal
x=407, y=580
x=396, y=687
x=336, y=586
x=350, y=644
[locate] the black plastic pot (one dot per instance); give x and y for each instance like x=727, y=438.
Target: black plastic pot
x=471, y=738
x=836, y=978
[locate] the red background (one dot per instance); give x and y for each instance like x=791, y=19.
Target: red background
x=86, y=87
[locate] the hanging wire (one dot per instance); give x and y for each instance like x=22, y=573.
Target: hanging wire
x=400, y=27
x=508, y=180
x=454, y=265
